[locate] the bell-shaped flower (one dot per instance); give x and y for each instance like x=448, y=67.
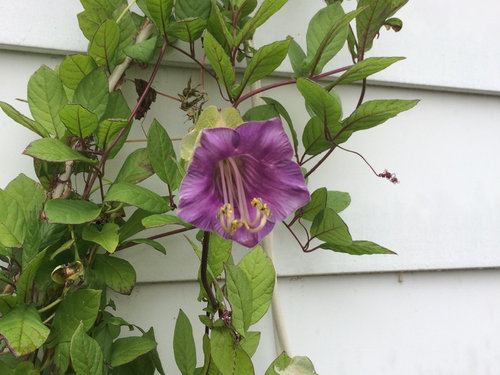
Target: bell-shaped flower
x=242, y=181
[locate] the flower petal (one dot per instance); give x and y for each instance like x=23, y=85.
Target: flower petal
x=216, y=144
x=281, y=186
x=265, y=140
x=263, y=154
x=199, y=201
x=199, y=197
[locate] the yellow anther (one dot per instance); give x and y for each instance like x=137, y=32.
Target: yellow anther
x=256, y=202
x=235, y=225
x=261, y=206
x=266, y=210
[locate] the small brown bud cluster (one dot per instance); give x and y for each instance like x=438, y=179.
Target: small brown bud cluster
x=226, y=317
x=390, y=176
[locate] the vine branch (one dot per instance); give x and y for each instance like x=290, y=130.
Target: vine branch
x=203, y=270
x=106, y=152
x=288, y=82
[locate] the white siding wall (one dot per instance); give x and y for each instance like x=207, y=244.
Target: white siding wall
x=444, y=215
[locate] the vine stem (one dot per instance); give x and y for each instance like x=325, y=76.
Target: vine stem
x=113, y=80
x=288, y=82
x=156, y=236
x=127, y=8
x=108, y=149
x=203, y=270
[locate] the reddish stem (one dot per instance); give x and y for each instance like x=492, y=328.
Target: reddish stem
x=106, y=152
x=288, y=82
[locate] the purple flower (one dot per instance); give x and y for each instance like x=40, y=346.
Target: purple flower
x=242, y=181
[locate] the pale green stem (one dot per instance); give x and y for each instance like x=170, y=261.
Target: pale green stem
x=51, y=305
x=122, y=14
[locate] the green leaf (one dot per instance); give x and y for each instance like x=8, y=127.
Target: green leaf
x=184, y=347
x=162, y=155
x=373, y=113
x=219, y=250
x=187, y=30
x=133, y=225
x=144, y=364
x=108, y=130
x=136, y=167
x=297, y=56
x=159, y=220
x=313, y=137
x=66, y=211
x=239, y=295
x=86, y=355
x=248, y=7
x=369, y=22
x=218, y=26
x=117, y=107
x=23, y=329
x=143, y=51
x=128, y=33
x=79, y=306
x=329, y=227
x=6, y=370
x=160, y=11
x=143, y=6
x=107, y=237
x=326, y=35
x=137, y=196
x=284, y=114
x=27, y=278
x=74, y=68
x=29, y=194
x=46, y=97
x=33, y=237
x=127, y=349
x=278, y=364
x=229, y=358
x=117, y=273
x=260, y=272
x=363, y=69
x=219, y=60
x=192, y=8
x=90, y=19
x=316, y=204
x=12, y=221
x=325, y=106
x=338, y=200
x=61, y=356
x=358, y=248
x=7, y=302
x=105, y=6
x=28, y=123
x=265, y=11
x=78, y=120
x=153, y=356
x=260, y=113
x=25, y=368
x=154, y=244
x=51, y=149
x=209, y=367
x=264, y=62
x=250, y=342
x=92, y=92
x=298, y=365
x=104, y=42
